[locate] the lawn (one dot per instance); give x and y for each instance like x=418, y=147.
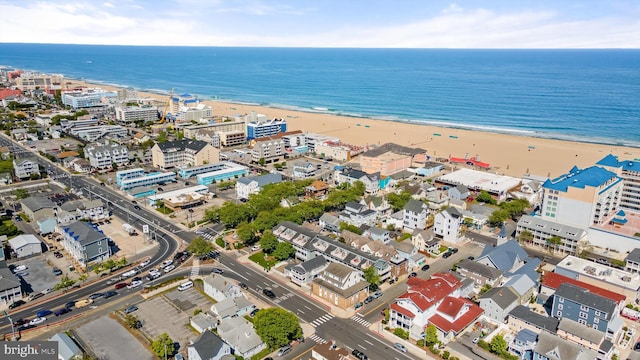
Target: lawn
x=259, y=259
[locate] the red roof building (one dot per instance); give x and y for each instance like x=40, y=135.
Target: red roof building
x=5, y=93
x=553, y=280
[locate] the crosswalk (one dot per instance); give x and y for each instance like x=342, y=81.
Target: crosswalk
x=318, y=339
x=322, y=319
x=360, y=320
x=195, y=268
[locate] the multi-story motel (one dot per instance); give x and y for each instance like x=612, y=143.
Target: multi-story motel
x=197, y=189
x=629, y=172
x=226, y=134
x=85, y=242
x=135, y=113
x=311, y=140
x=260, y=129
x=498, y=186
x=86, y=122
x=104, y=156
x=88, y=98
x=93, y=133
x=214, y=172
x=34, y=81
x=133, y=178
x=336, y=151
x=179, y=153
x=269, y=148
x=542, y=230
x=390, y=158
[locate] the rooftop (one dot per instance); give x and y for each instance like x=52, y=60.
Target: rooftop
x=541, y=321
x=601, y=272
x=585, y=297
x=554, y=280
x=502, y=296
x=393, y=148
x=480, y=180
x=593, y=176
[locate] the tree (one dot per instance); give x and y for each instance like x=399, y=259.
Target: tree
x=21, y=193
x=398, y=201
x=277, y=327
x=199, y=246
x=268, y=242
x=525, y=236
x=262, y=161
x=162, y=136
x=34, y=176
x=163, y=346
x=283, y=251
x=114, y=166
x=354, y=229
x=371, y=275
x=431, y=335
x=555, y=240
x=246, y=232
x=498, y=217
x=498, y=345
x=64, y=283
x=485, y=197
x=132, y=321
x=84, y=277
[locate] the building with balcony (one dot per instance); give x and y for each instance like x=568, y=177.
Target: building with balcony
x=448, y=225
x=340, y=285
x=183, y=153
x=260, y=129
x=371, y=182
x=31, y=81
x=267, y=149
x=252, y=185
x=127, y=114
x=629, y=172
x=103, y=156
x=542, y=230
x=24, y=167
x=85, y=242
x=132, y=178
x=94, y=133
x=88, y=98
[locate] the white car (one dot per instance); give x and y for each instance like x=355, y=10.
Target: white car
x=134, y=284
x=185, y=285
x=37, y=321
x=169, y=268
x=255, y=247
x=167, y=263
x=144, y=263
x=47, y=290
x=129, y=273
x=155, y=272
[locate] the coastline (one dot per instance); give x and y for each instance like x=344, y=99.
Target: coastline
x=508, y=153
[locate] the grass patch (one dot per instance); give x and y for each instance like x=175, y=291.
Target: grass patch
x=259, y=259
x=442, y=249
x=262, y=354
x=164, y=210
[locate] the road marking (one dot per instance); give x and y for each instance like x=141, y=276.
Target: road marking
x=368, y=342
x=300, y=311
x=308, y=308
x=363, y=348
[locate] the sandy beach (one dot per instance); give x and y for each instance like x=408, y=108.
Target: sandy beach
x=508, y=154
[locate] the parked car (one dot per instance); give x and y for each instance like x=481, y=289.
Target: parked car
x=61, y=311
x=130, y=309
x=425, y=267
x=110, y=293
x=359, y=354
x=57, y=271
x=470, y=257
x=137, y=207
x=16, y=303
x=243, y=286
x=358, y=305
x=167, y=262
x=447, y=254
x=400, y=347
x=268, y=293
x=144, y=263
x=369, y=299
x=134, y=284
x=185, y=285
x=19, y=268
x=475, y=340
x=378, y=294
x=254, y=312
x=284, y=350
x=83, y=303
x=454, y=250
x=413, y=274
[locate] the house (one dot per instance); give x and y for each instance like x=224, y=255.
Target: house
x=408, y=251
x=505, y=257
x=93, y=210
x=371, y=181
x=37, y=207
x=448, y=225
x=378, y=234
x=459, y=192
x=317, y=190
x=232, y=307
x=241, y=336
x=426, y=241
x=25, y=167
x=85, y=242
x=208, y=346
x=522, y=317
x=357, y=214
x=10, y=287
x=581, y=335
x=329, y=351
x=632, y=261
x=553, y=347
x=304, y=170
x=498, y=302
x=67, y=348
x=252, y=185
x=329, y=223
x=202, y=322
x=523, y=344
x=480, y=273
x=524, y=286
x=46, y=225
x=25, y=245
x=220, y=288
x=140, y=138
x=379, y=204
x=340, y=285
x=414, y=215
x=303, y=273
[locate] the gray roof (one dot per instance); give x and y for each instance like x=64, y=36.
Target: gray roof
x=564, y=231
x=203, y=320
x=461, y=188
x=521, y=284
x=527, y=336
x=208, y=345
x=634, y=256
x=480, y=269
x=529, y=268
x=454, y=212
x=262, y=180
x=230, y=306
x=541, y=321
x=35, y=203
x=605, y=346
x=91, y=204
x=377, y=231
x=502, y=296
x=330, y=219
x=312, y=264
x=67, y=348
x=584, y=332
x=239, y=333
x=23, y=240
x=83, y=232
x=358, y=174
x=71, y=206
x=504, y=256
x=415, y=206
x=182, y=145
x=556, y=348
x=8, y=280
x=394, y=148
x=585, y=297
x=339, y=270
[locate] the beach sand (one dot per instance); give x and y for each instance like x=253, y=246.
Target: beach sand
x=508, y=154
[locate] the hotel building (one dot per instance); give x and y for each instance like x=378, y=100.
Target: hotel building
x=260, y=129
x=34, y=81
x=133, y=178
x=629, y=172
x=88, y=98
x=180, y=153
x=135, y=113
x=104, y=156
x=390, y=158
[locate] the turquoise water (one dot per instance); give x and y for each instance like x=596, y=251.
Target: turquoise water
x=585, y=95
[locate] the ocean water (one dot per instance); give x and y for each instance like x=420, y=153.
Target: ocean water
x=585, y=95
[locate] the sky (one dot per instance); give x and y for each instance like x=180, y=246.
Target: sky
x=326, y=23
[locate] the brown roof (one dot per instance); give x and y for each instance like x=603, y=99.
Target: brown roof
x=66, y=154
x=327, y=352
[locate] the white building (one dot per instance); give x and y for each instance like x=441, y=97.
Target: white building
x=415, y=215
x=24, y=167
x=104, y=156
x=88, y=98
x=447, y=224
x=498, y=186
x=25, y=245
x=252, y=185
x=135, y=113
x=93, y=133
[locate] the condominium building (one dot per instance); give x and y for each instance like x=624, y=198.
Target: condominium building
x=260, y=129
x=85, y=242
x=24, y=167
x=93, y=133
x=629, y=172
x=104, y=156
x=67, y=125
x=268, y=149
x=36, y=81
x=181, y=153
x=88, y=98
x=390, y=158
x=134, y=178
x=542, y=230
x=228, y=171
x=227, y=126
x=135, y=113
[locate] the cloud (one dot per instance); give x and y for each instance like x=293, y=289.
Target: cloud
x=108, y=4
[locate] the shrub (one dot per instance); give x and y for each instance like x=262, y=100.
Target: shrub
x=483, y=344
x=446, y=354
x=401, y=333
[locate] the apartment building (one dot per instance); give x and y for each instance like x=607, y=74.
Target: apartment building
x=85, y=242
x=88, y=98
x=629, y=172
x=24, y=167
x=35, y=81
x=103, y=156
x=94, y=133
x=389, y=158
x=261, y=129
x=181, y=153
x=128, y=114
x=269, y=149
x=340, y=285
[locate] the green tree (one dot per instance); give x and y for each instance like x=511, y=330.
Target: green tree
x=131, y=321
x=498, y=345
x=431, y=335
x=7, y=227
x=283, y=251
x=34, y=176
x=114, y=166
x=398, y=201
x=199, y=246
x=371, y=275
x=162, y=137
x=64, y=283
x=553, y=242
x=498, y=217
x=262, y=161
x=525, y=236
x=246, y=232
x=163, y=346
x=21, y=193
x=485, y=197
x=350, y=227
x=277, y=327
x=268, y=242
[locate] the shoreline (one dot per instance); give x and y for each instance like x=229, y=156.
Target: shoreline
x=508, y=153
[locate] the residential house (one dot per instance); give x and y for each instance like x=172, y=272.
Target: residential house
x=317, y=190
x=93, y=210
x=521, y=317
x=524, y=286
x=378, y=234
x=304, y=170
x=25, y=245
x=304, y=273
x=24, y=167
x=67, y=348
x=551, y=281
x=78, y=165
x=506, y=257
x=357, y=214
x=103, y=156
x=480, y=273
x=553, y=347
x=183, y=153
x=340, y=285
x=85, y=242
x=232, y=307
x=208, y=346
x=379, y=204
x=37, y=207
x=459, y=192
x=448, y=225
x=632, y=261
x=202, y=322
x=523, y=344
x=220, y=288
x=252, y=185
x=46, y=225
x=329, y=223
x=10, y=285
x=581, y=335
x=239, y=333
x=408, y=251
x=414, y=215
x=498, y=302
x=426, y=241
x=436, y=200
x=371, y=181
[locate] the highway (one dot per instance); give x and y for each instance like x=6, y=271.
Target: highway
x=346, y=332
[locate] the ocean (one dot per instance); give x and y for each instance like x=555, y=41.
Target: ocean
x=583, y=95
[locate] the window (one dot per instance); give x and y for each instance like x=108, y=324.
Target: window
x=560, y=307
x=596, y=321
x=583, y=322
x=583, y=315
x=584, y=308
x=597, y=313
x=559, y=314
x=561, y=300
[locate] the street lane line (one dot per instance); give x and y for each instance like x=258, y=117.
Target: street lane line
x=308, y=308
x=368, y=342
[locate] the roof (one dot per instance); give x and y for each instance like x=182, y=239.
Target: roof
x=208, y=345
x=262, y=180
x=553, y=280
x=35, y=203
x=67, y=348
x=239, y=333
x=83, y=232
x=92, y=204
x=394, y=148
x=555, y=348
x=634, y=256
x=328, y=352
x=583, y=296
x=330, y=219
x=339, y=270
x=426, y=293
x=312, y=264
x=539, y=224
x=8, y=280
x=527, y=336
x=502, y=296
x=181, y=145
x=504, y=256
x=472, y=313
x=540, y=321
x=529, y=269
x=415, y=206
x=23, y=240
x=66, y=154
x=612, y=161
x=480, y=269
x=574, y=328
x=593, y=176
x=203, y=320
x=521, y=284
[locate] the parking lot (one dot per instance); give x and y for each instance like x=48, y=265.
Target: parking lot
x=38, y=276
x=170, y=313
x=107, y=339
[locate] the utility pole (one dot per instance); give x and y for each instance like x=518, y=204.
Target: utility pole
x=13, y=330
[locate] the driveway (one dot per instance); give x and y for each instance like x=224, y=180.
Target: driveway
x=107, y=339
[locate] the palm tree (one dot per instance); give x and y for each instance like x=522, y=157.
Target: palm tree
x=525, y=236
x=554, y=240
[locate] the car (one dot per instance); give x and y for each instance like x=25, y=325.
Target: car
x=20, y=268
x=70, y=304
x=413, y=274
x=61, y=311
x=134, y=202
x=107, y=220
x=137, y=278
x=425, y=267
x=137, y=207
x=43, y=313
x=130, y=309
x=18, y=218
x=254, y=312
x=120, y=285
x=243, y=286
x=102, y=184
x=185, y=285
x=284, y=350
x=392, y=281
x=167, y=262
x=255, y=247
x=96, y=296
x=377, y=295
x=111, y=281
x=83, y=303
x=454, y=250
x=359, y=354
x=26, y=327
x=144, y=263
x=217, y=271
x=130, y=273
x=134, y=284
x=153, y=276
x=109, y=294
x=268, y=293
x=400, y=347
x=369, y=299
x=37, y=321
x=447, y=254
x=475, y=340
x=58, y=254
x=358, y=305
x=160, y=189
x=471, y=258
x=186, y=183
x=16, y=303
x=169, y=268
x=636, y=347
x=20, y=322
x=57, y=271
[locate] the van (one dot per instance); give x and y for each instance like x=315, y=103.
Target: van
x=283, y=350
x=185, y=286
x=83, y=303
x=19, y=268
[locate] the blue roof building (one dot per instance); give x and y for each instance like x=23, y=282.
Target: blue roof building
x=629, y=171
